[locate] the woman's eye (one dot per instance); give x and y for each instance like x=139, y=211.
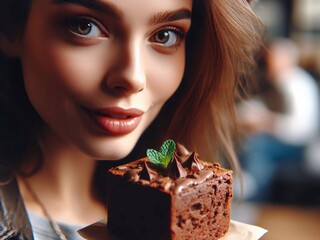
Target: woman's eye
x=86, y=27
x=167, y=38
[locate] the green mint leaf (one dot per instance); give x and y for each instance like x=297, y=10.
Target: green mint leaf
x=167, y=149
x=162, y=158
x=166, y=160
x=155, y=157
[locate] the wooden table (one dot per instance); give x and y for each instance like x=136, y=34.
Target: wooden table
x=282, y=222
x=289, y=223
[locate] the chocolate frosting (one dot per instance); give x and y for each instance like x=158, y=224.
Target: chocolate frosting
x=175, y=169
x=183, y=183
x=193, y=163
x=185, y=169
x=181, y=151
x=132, y=175
x=148, y=173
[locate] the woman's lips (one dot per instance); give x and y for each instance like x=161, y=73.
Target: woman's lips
x=115, y=121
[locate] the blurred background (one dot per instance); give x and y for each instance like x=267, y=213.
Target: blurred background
x=279, y=149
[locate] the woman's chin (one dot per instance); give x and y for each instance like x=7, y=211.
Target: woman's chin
x=108, y=148
x=116, y=157
x=113, y=154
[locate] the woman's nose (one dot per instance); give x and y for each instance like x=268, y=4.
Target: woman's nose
x=127, y=75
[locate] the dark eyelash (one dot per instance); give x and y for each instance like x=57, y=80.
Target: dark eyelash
x=181, y=32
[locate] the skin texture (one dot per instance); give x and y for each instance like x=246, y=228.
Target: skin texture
x=121, y=63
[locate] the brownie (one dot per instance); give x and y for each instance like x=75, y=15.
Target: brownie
x=190, y=199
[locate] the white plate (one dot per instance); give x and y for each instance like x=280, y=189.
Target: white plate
x=238, y=230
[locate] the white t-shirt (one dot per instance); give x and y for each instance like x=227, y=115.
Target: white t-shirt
x=300, y=124
x=42, y=229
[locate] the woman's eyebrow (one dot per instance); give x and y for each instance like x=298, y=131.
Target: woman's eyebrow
x=169, y=16
x=113, y=10
x=98, y=5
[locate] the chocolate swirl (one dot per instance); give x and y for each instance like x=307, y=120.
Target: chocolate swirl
x=175, y=169
x=148, y=173
x=193, y=163
x=182, y=152
x=132, y=175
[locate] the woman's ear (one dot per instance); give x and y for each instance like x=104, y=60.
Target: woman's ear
x=10, y=47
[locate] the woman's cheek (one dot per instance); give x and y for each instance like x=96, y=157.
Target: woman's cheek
x=79, y=70
x=167, y=75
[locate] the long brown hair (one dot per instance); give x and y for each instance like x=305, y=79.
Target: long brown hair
x=224, y=37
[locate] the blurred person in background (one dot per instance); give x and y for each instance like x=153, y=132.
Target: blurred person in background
x=275, y=138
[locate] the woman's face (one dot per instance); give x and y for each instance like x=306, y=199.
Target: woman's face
x=99, y=71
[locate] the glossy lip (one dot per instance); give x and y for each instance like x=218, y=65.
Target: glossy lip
x=115, y=121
